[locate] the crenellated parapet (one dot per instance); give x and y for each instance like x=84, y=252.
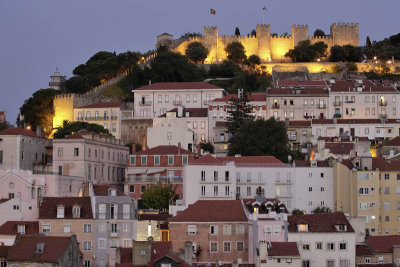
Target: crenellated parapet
x=345, y=33
x=281, y=37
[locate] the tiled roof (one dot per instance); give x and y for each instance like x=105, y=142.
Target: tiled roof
x=307, y=163
x=25, y=249
x=154, y=217
x=102, y=190
x=126, y=255
x=239, y=161
x=383, y=244
x=385, y=165
x=74, y=136
x=2, y=200
x=103, y=105
x=163, y=150
x=221, y=124
x=18, y=131
x=286, y=83
x=299, y=123
x=173, y=257
x=179, y=86
x=11, y=227
x=283, y=249
x=394, y=142
x=256, y=97
x=348, y=163
x=4, y=251
x=48, y=207
x=160, y=248
x=363, y=250
x=320, y=223
x=302, y=91
x=193, y=112
x=165, y=34
x=212, y=211
x=339, y=148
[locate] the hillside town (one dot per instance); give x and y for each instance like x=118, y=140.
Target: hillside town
x=257, y=160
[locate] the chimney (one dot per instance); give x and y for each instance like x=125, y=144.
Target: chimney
x=188, y=257
x=133, y=148
x=179, y=148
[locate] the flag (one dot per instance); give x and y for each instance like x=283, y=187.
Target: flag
x=212, y=11
x=264, y=8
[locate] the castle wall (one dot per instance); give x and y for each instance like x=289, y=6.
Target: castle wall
x=299, y=33
x=326, y=39
x=135, y=131
x=263, y=37
x=345, y=33
x=280, y=45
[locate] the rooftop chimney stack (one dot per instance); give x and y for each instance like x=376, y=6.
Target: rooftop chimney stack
x=179, y=148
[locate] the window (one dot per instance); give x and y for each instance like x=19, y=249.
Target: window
x=318, y=246
x=240, y=246
x=131, y=189
x=343, y=246
x=363, y=190
x=267, y=229
x=302, y=227
x=159, y=98
x=192, y=229
x=305, y=263
x=227, y=190
x=170, y=160
x=126, y=211
x=215, y=190
x=169, y=135
x=126, y=243
x=387, y=176
x=387, y=190
x=16, y=207
x=310, y=189
x=102, y=211
x=363, y=206
x=227, y=246
x=305, y=246
x=203, y=190
x=114, y=211
x=87, y=245
x=227, y=229
x=386, y=205
x=215, y=176
x=203, y=124
x=87, y=263
x=213, y=229
x=240, y=229
x=330, y=246
x=67, y=228
x=114, y=228
x=46, y=228
x=101, y=243
x=60, y=152
x=195, y=125
x=142, y=188
x=87, y=228
x=144, y=160
x=60, y=212
x=344, y=263
x=21, y=229
x=214, y=247
x=330, y=263
x=114, y=127
x=76, y=152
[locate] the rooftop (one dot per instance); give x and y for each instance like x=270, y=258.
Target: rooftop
x=103, y=105
x=19, y=131
x=298, y=92
x=339, y=148
x=363, y=250
x=11, y=227
x=48, y=207
x=240, y=161
x=320, y=223
x=154, y=217
x=212, y=211
x=252, y=97
x=394, y=142
x=163, y=150
x=179, y=86
x=383, y=244
x=103, y=190
x=193, y=112
x=288, y=83
x=283, y=249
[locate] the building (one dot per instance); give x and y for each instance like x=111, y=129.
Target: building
x=276, y=254
x=153, y=225
x=57, y=81
x=268, y=47
x=390, y=149
x=20, y=149
x=114, y=224
x=217, y=229
x=158, y=164
x=188, y=126
x=51, y=251
x=379, y=251
x=95, y=157
x=368, y=187
x=10, y=229
x=156, y=99
x=323, y=239
x=106, y=114
x=3, y=255
x=67, y=216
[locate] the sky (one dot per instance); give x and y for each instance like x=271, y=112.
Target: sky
x=36, y=36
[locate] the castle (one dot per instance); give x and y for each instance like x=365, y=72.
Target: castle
x=265, y=45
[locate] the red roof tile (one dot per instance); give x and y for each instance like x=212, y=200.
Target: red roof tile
x=239, y=161
x=363, y=250
x=18, y=131
x=385, y=165
x=126, y=255
x=48, y=207
x=394, y=142
x=212, y=211
x=256, y=97
x=320, y=223
x=302, y=91
x=300, y=123
x=383, y=244
x=179, y=86
x=176, y=259
x=104, y=105
x=339, y=148
x=163, y=150
x=2, y=200
x=4, y=251
x=221, y=124
x=74, y=136
x=283, y=249
x=25, y=249
x=207, y=160
x=193, y=112
x=102, y=190
x=287, y=83
x=159, y=249
x=11, y=227
x=154, y=217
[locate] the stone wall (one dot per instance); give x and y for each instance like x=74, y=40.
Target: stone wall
x=135, y=131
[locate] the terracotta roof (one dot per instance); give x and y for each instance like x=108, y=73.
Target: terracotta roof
x=48, y=207
x=385, y=165
x=339, y=148
x=383, y=244
x=302, y=91
x=221, y=124
x=74, y=136
x=287, y=83
x=307, y=163
x=348, y=163
x=239, y=161
x=4, y=251
x=193, y=112
x=154, y=217
x=163, y=150
x=255, y=97
x=126, y=255
x=165, y=34
x=19, y=131
x=212, y=211
x=2, y=200
x=25, y=249
x=283, y=249
x=299, y=123
x=173, y=257
x=349, y=87
x=179, y=86
x=103, y=105
x=102, y=190
x=160, y=248
x=11, y=227
x=363, y=250
x=394, y=142
x=320, y=223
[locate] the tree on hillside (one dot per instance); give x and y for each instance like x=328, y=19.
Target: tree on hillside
x=207, y=147
x=237, y=32
x=236, y=52
x=69, y=128
x=4, y=125
x=304, y=51
x=346, y=53
x=196, y=52
x=226, y=69
x=38, y=110
x=297, y=212
x=190, y=34
x=174, y=67
x=253, y=33
x=254, y=60
x=261, y=137
x=158, y=196
x=239, y=112
x=321, y=209
x=319, y=32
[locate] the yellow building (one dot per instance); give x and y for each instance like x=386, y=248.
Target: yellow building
x=370, y=188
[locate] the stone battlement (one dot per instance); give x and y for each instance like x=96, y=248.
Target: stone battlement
x=344, y=24
x=281, y=37
x=300, y=26
x=327, y=37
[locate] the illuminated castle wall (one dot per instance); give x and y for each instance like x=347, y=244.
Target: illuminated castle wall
x=266, y=46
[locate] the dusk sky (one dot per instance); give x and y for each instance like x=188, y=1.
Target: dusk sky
x=39, y=35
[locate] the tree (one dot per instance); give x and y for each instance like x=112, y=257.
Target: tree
x=196, y=52
x=236, y=52
x=351, y=67
x=297, y=212
x=38, y=110
x=190, y=34
x=320, y=49
x=226, y=69
x=261, y=138
x=307, y=52
x=69, y=128
x=237, y=32
x=207, y=147
x=321, y=209
x=158, y=196
x=254, y=60
x=239, y=112
x=4, y=125
x=319, y=32
x=346, y=53
x=253, y=33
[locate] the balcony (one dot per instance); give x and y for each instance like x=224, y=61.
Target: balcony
x=275, y=106
x=152, y=179
x=177, y=102
x=337, y=115
x=321, y=106
x=116, y=216
x=113, y=234
x=113, y=118
x=105, y=118
x=350, y=101
x=145, y=103
x=283, y=182
x=382, y=103
x=337, y=103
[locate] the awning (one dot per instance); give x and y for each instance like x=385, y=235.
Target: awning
x=136, y=171
x=150, y=171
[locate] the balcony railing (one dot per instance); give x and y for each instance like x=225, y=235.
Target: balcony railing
x=152, y=179
x=337, y=115
x=116, y=216
x=275, y=105
x=382, y=103
x=104, y=118
x=145, y=103
x=350, y=101
x=283, y=181
x=177, y=102
x=337, y=103
x=321, y=106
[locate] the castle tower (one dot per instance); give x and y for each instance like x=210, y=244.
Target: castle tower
x=345, y=33
x=299, y=33
x=263, y=38
x=211, y=42
x=57, y=80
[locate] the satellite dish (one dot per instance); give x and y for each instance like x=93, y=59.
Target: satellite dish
x=289, y=157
